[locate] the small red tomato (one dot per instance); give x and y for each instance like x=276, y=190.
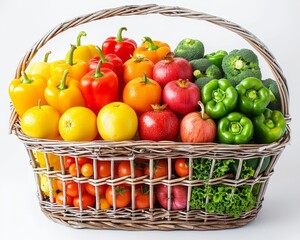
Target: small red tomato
x=59, y=199
x=159, y=124
x=142, y=197
x=86, y=199
x=172, y=68
x=124, y=169
x=68, y=161
x=182, y=167
x=160, y=169
x=181, y=96
x=83, y=160
x=122, y=194
x=91, y=189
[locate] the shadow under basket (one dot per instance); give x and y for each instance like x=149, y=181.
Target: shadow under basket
x=48, y=157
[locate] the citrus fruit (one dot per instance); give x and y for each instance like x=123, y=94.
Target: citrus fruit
x=117, y=121
x=78, y=124
x=41, y=122
x=45, y=185
x=53, y=160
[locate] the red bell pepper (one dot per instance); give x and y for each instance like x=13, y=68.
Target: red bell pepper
x=111, y=61
x=122, y=47
x=99, y=87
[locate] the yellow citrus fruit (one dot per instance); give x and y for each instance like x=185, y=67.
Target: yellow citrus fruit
x=117, y=121
x=53, y=160
x=78, y=124
x=45, y=185
x=41, y=122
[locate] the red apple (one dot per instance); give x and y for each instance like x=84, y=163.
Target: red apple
x=178, y=196
x=198, y=127
x=159, y=124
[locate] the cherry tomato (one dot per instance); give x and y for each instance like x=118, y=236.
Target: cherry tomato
x=87, y=170
x=72, y=188
x=142, y=197
x=73, y=169
x=123, y=195
x=83, y=160
x=124, y=169
x=160, y=169
x=87, y=201
x=91, y=189
x=59, y=199
x=104, y=204
x=68, y=161
x=59, y=184
x=182, y=167
x=104, y=169
x=141, y=92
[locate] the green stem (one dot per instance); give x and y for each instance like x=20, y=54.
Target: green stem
x=46, y=56
x=119, y=37
x=98, y=73
x=102, y=57
x=81, y=34
x=145, y=80
x=63, y=81
x=252, y=94
x=152, y=45
x=25, y=79
x=236, y=128
x=197, y=74
x=270, y=124
x=218, y=95
x=69, y=58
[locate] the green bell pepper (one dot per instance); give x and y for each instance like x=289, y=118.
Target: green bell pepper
x=235, y=128
x=219, y=98
x=253, y=96
x=216, y=57
x=269, y=126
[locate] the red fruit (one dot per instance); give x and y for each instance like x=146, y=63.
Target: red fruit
x=178, y=196
x=172, y=68
x=159, y=124
x=181, y=96
x=198, y=127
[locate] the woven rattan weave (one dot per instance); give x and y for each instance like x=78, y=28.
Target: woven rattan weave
x=154, y=217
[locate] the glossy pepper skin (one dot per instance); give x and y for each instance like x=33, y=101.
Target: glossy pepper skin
x=235, y=128
x=83, y=52
x=253, y=96
x=216, y=57
x=26, y=91
x=76, y=67
x=99, y=87
x=153, y=50
x=63, y=93
x=269, y=126
x=219, y=98
x=122, y=47
x=42, y=68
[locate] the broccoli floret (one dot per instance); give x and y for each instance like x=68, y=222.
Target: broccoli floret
x=189, y=49
x=241, y=63
x=200, y=82
x=275, y=99
x=204, y=68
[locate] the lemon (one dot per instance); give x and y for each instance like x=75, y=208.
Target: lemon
x=41, y=122
x=78, y=124
x=45, y=185
x=53, y=160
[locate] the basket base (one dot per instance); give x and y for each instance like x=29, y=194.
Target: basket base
x=143, y=225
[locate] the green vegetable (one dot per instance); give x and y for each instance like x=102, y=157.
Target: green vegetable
x=235, y=128
x=275, y=99
x=204, y=68
x=269, y=126
x=216, y=57
x=189, y=49
x=253, y=96
x=241, y=63
x=223, y=199
x=249, y=166
x=219, y=97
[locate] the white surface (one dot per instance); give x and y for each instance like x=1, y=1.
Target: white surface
x=22, y=23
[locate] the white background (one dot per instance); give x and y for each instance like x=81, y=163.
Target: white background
x=22, y=23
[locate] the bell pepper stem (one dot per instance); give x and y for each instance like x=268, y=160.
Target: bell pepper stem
x=39, y=103
x=81, y=34
x=46, y=56
x=152, y=45
x=145, y=80
x=63, y=80
x=69, y=58
x=98, y=73
x=25, y=79
x=119, y=37
x=102, y=57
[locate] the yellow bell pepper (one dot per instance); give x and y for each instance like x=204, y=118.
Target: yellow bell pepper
x=42, y=68
x=26, y=91
x=84, y=52
x=77, y=68
x=63, y=92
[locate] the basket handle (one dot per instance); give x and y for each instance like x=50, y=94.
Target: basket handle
x=130, y=10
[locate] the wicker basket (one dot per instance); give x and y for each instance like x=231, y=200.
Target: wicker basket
x=155, y=217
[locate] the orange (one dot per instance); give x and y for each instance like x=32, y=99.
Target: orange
x=78, y=124
x=41, y=122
